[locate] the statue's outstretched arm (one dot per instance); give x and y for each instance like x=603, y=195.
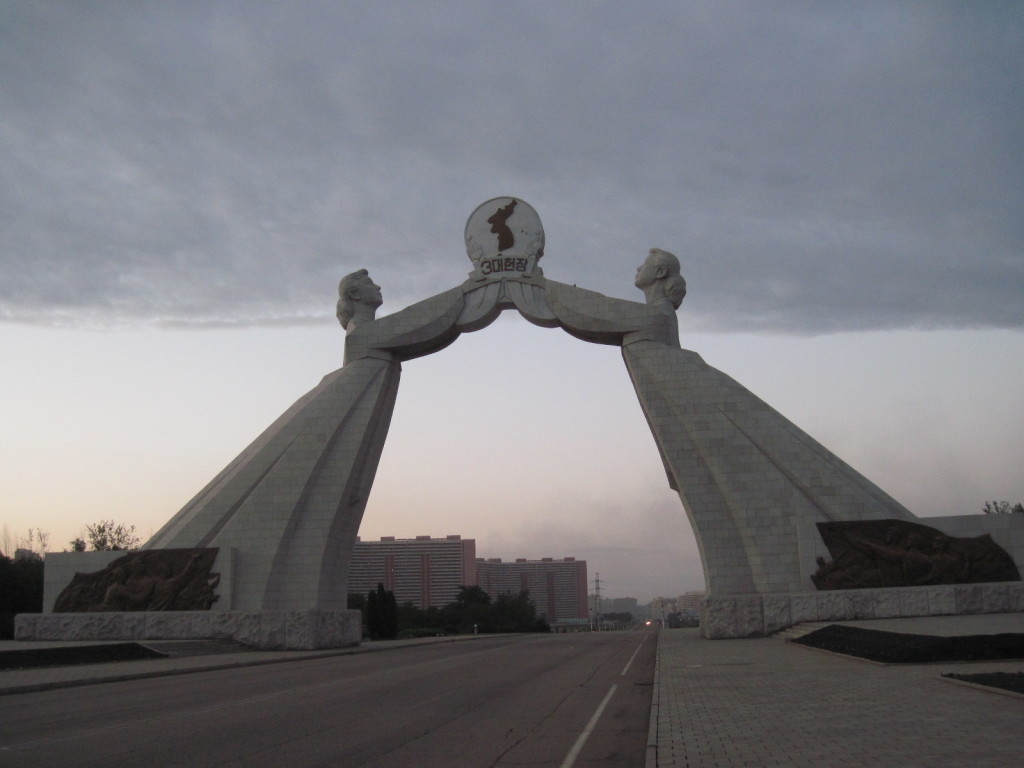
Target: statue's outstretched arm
x=597, y=318
x=421, y=329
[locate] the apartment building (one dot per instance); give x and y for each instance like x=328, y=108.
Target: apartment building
x=423, y=571
x=558, y=588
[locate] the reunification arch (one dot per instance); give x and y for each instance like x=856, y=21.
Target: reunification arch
x=288, y=508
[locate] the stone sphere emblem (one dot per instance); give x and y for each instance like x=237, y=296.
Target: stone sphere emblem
x=504, y=238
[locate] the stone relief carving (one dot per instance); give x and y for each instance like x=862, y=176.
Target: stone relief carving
x=898, y=553
x=151, y=580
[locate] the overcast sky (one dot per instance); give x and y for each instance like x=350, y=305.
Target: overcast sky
x=183, y=184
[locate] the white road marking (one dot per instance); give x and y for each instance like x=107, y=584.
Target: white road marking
x=575, y=751
x=623, y=672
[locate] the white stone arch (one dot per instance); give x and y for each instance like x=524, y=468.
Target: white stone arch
x=751, y=482
x=285, y=513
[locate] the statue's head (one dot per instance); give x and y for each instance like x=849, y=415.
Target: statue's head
x=358, y=298
x=659, y=277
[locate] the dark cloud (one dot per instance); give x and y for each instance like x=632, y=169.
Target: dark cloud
x=818, y=168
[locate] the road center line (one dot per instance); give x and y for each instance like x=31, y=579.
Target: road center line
x=623, y=672
x=575, y=751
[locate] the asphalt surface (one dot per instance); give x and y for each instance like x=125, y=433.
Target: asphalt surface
x=494, y=701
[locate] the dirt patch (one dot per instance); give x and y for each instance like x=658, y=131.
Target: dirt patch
x=1008, y=681
x=898, y=648
x=34, y=658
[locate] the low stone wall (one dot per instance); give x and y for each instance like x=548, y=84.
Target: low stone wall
x=732, y=616
x=267, y=630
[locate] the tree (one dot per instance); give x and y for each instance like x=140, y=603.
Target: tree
x=474, y=611
x=1003, y=508
x=37, y=542
x=516, y=613
x=381, y=614
x=21, y=590
x=7, y=542
x=372, y=614
x=470, y=612
x=390, y=604
x=108, y=535
x=419, y=622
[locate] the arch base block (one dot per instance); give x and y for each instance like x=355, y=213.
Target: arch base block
x=759, y=615
x=265, y=630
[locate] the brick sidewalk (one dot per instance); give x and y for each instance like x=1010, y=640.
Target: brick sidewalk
x=765, y=702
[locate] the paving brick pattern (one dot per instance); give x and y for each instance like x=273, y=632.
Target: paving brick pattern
x=764, y=702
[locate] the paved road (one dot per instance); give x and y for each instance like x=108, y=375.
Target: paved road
x=554, y=700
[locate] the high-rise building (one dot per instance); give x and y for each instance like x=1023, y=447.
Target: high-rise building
x=625, y=605
x=689, y=602
x=661, y=607
x=422, y=571
x=558, y=588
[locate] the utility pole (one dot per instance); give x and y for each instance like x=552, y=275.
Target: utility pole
x=597, y=608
